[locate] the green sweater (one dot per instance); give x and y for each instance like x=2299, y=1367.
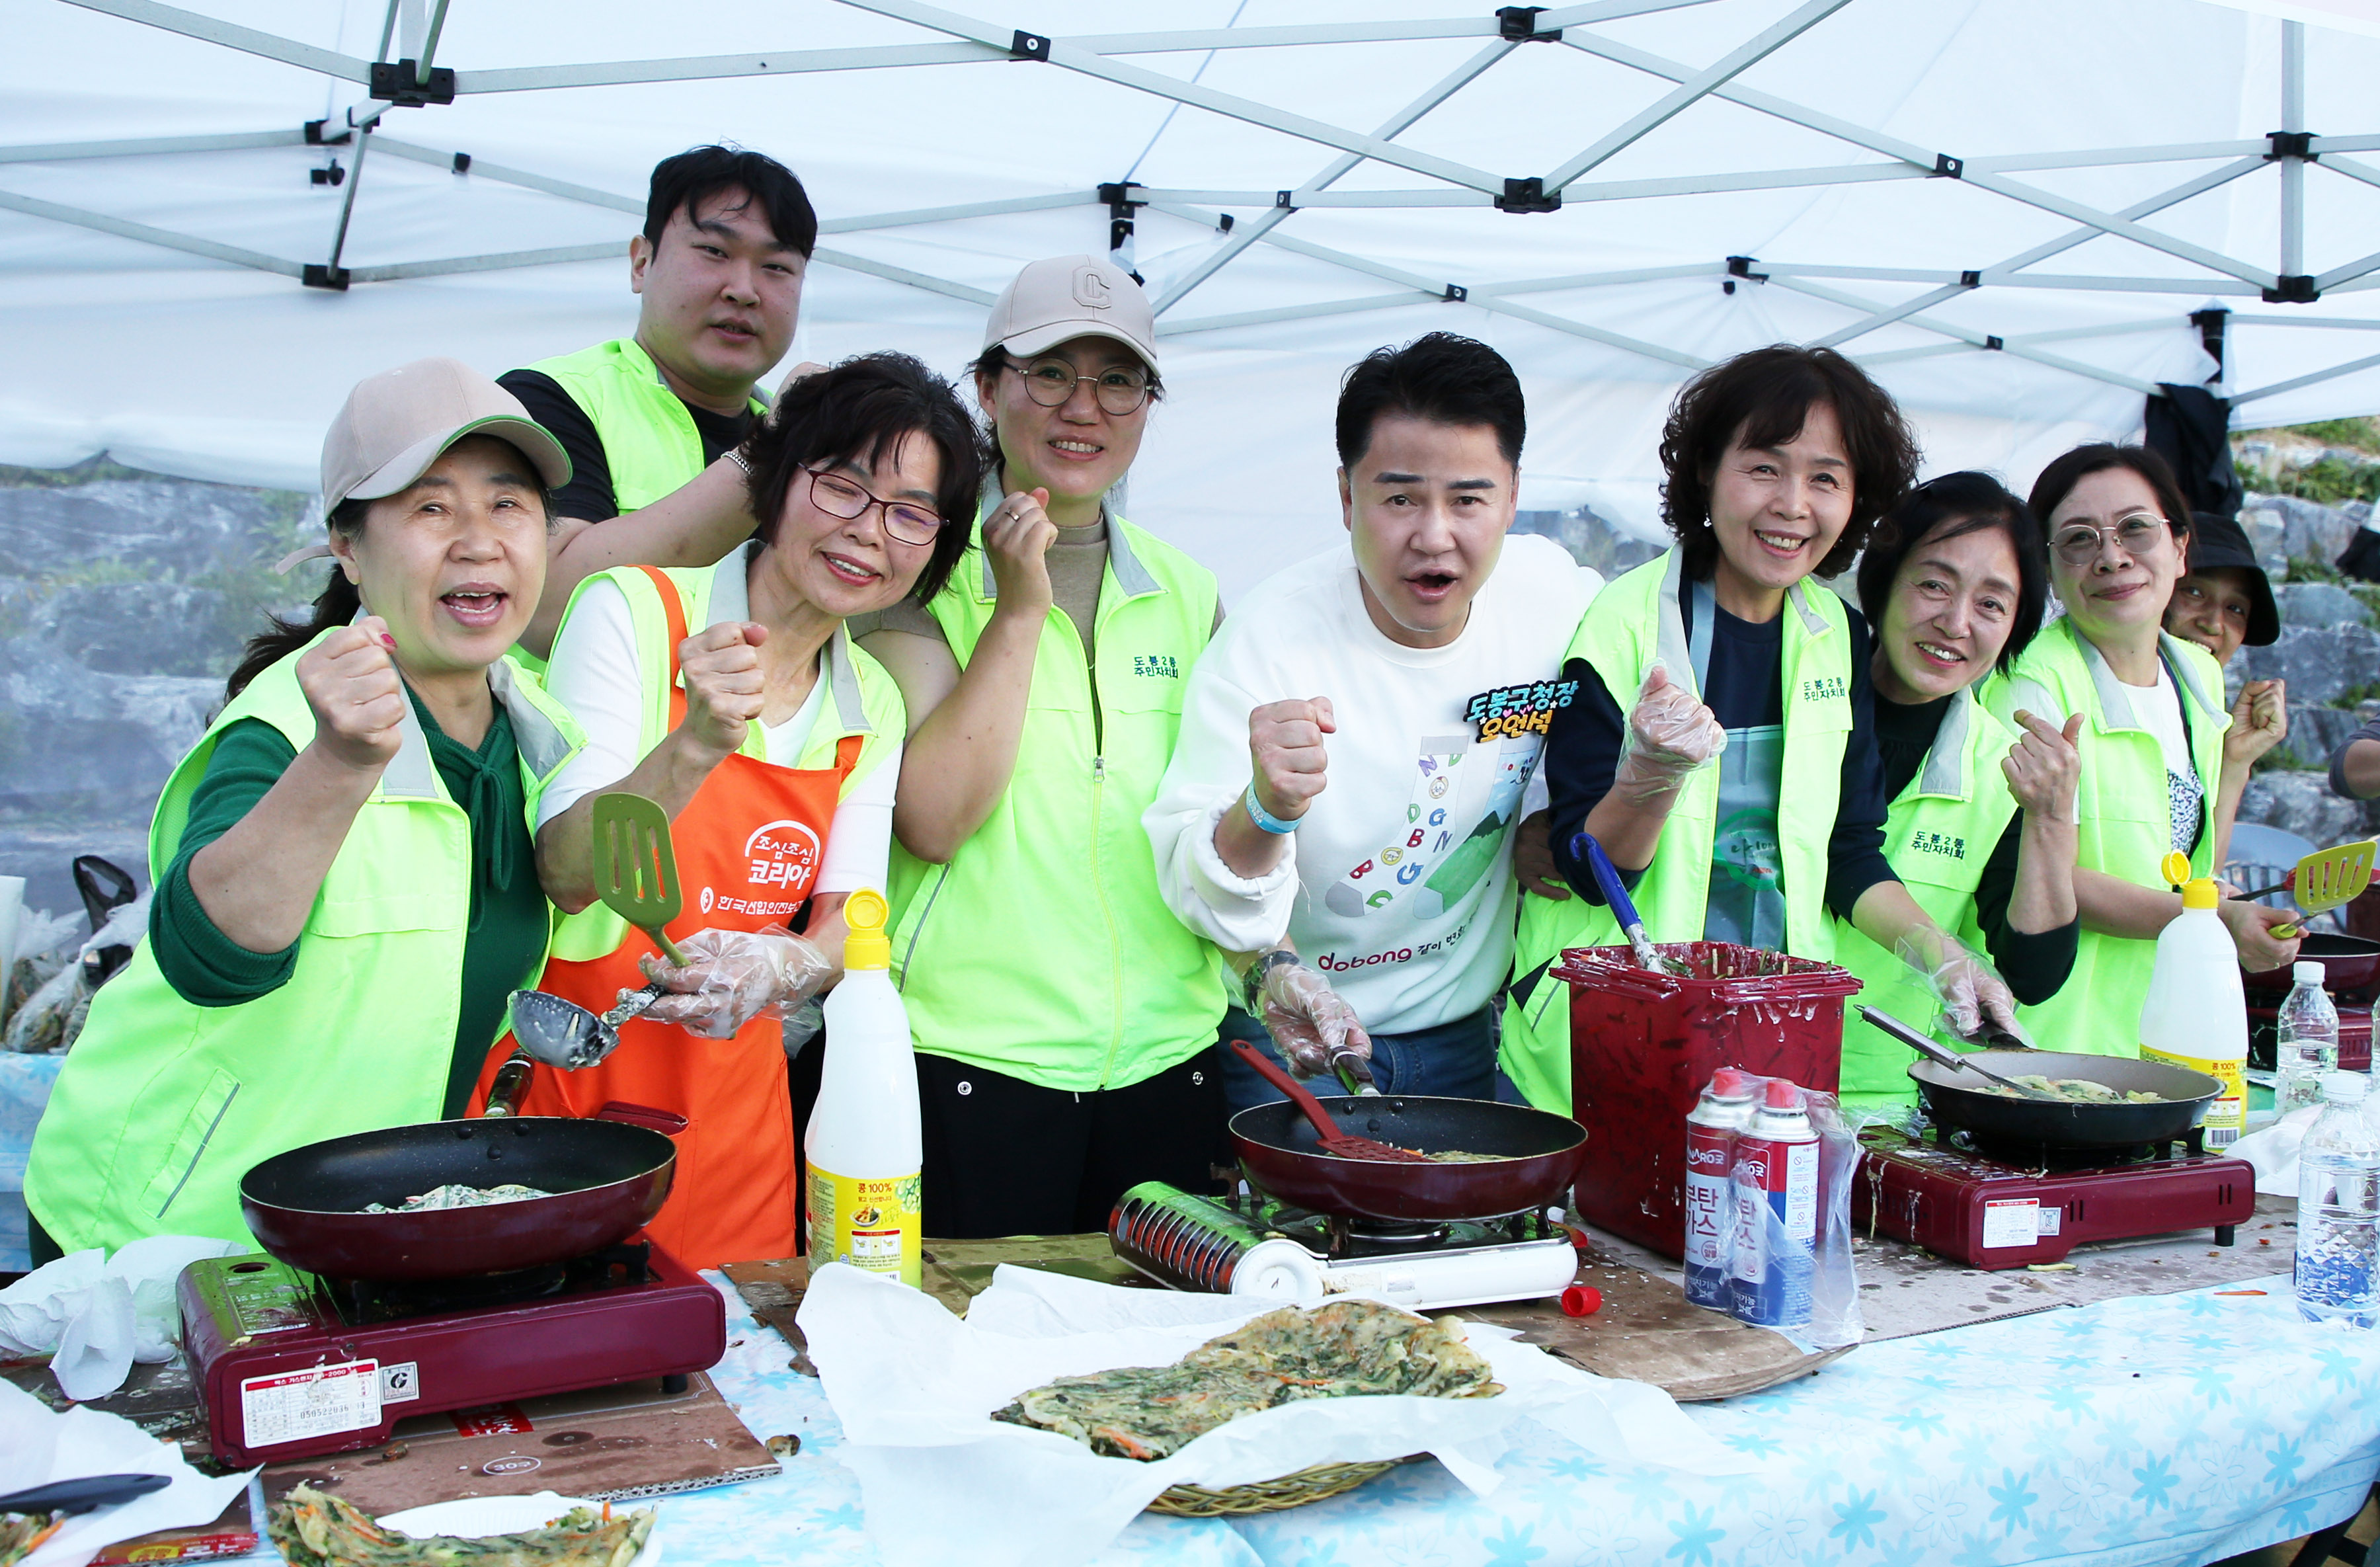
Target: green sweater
x=508, y=909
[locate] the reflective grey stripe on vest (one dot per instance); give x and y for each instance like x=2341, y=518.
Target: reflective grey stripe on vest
x=1945, y=772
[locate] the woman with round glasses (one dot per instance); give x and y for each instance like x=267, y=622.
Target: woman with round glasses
x=732, y=695
x=2162, y=763
x=1064, y=1018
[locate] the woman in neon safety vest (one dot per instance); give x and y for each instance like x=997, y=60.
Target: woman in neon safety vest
x=1722, y=745
x=1064, y=1018
x=732, y=694
x=1981, y=827
x=2155, y=736
x=345, y=890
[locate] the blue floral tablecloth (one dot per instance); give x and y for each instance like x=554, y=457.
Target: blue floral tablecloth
x=2178, y=1428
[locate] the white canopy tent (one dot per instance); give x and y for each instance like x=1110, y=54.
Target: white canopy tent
x=2021, y=214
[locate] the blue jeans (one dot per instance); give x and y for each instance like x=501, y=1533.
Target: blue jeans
x=1454, y=1060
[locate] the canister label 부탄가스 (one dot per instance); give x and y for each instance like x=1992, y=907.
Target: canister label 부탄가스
x=2226, y=1117
x=868, y=1223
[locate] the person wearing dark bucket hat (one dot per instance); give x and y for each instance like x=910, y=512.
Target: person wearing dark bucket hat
x=2223, y=602
x=346, y=887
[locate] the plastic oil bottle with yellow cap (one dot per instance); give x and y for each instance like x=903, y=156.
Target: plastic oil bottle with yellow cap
x=863, y=1147
x=2196, y=1014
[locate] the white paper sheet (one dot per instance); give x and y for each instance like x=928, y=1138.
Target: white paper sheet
x=94, y=1318
x=41, y=1446
x=915, y=1386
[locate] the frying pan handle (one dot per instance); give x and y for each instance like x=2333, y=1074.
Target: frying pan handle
x=512, y=1082
x=1930, y=1049
x=1299, y=1094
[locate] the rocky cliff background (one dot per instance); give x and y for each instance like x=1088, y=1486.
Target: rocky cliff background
x=123, y=600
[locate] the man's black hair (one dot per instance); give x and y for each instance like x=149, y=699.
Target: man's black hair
x=697, y=174
x=1948, y=508
x=1441, y=378
x=858, y=411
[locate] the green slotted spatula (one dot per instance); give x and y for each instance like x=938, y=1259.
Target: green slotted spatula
x=635, y=865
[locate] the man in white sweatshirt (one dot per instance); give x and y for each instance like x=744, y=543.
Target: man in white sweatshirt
x=1359, y=739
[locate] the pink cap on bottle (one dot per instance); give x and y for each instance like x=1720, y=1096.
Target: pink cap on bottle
x=1783, y=1095
x=1729, y=1082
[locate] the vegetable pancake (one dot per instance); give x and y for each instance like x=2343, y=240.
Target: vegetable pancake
x=1339, y=1350
x=315, y=1530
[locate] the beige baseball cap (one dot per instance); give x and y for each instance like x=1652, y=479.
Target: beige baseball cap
x=394, y=425
x=1069, y=296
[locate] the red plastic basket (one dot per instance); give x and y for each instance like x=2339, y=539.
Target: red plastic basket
x=1642, y=1046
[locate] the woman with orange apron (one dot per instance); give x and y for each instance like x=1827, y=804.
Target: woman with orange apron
x=731, y=695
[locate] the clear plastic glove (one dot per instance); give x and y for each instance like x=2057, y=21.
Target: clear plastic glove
x=1669, y=736
x=1309, y=1021
x=732, y=977
x=1972, y=995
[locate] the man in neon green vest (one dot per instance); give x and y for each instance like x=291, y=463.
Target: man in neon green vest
x=652, y=421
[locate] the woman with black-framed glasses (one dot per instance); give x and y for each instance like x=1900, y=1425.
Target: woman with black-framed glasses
x=732, y=695
x=2163, y=764
x=1064, y=1019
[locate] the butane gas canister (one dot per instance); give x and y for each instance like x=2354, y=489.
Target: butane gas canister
x=1723, y=1110
x=1776, y=1212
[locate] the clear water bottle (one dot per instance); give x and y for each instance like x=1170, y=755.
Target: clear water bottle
x=2306, y=1044
x=2338, y=1209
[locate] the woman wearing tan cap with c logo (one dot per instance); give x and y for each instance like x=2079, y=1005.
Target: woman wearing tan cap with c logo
x=346, y=890
x=1064, y=1019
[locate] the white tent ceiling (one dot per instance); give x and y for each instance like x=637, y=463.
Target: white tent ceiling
x=2010, y=209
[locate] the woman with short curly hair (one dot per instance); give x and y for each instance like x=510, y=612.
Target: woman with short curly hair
x=1721, y=744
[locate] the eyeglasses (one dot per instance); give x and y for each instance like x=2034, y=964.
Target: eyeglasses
x=2079, y=543
x=838, y=496
x=1049, y=380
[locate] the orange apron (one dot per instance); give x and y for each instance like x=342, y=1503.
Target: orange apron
x=750, y=845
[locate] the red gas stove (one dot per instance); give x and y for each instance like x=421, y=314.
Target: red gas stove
x=2354, y=1036
x=290, y=1364
x=1996, y=1208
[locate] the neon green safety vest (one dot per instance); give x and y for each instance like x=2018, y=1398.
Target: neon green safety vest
x=164, y=1105
x=1938, y=836
x=1633, y=623
x=864, y=701
x=2125, y=826
x=1044, y=950
x=650, y=442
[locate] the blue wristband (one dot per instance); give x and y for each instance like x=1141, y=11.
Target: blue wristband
x=1263, y=818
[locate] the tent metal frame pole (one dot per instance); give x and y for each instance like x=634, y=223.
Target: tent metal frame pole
x=2243, y=318
x=1734, y=63
x=190, y=243
x=1083, y=62
x=499, y=262
x=1861, y=328
x=1998, y=273
x=421, y=68
x=2293, y=113
x=2338, y=162
x=2334, y=372
x=1616, y=190
x=231, y=35
x=236, y=142
x=503, y=173
x=2028, y=339
x=1973, y=338
x=1236, y=245
x=347, y=201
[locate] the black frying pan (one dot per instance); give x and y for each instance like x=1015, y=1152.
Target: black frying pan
x=1540, y=1153
x=608, y=1179
x=1958, y=1098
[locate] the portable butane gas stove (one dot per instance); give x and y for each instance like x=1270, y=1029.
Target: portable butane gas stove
x=1254, y=1246
x=1998, y=1207
x=2354, y=1036
x=290, y=1364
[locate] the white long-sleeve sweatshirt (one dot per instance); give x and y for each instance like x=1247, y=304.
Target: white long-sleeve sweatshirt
x=1398, y=883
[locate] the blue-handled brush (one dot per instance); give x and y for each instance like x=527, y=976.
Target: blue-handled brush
x=1582, y=846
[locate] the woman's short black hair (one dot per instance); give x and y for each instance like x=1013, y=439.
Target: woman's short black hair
x=857, y=412
x=697, y=174
x=2069, y=469
x=1947, y=507
x=1762, y=398
x=1439, y=377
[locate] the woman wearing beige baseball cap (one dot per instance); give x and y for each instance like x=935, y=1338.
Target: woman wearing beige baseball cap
x=1064, y=1019
x=346, y=887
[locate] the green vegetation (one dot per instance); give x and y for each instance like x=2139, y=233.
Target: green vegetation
x=2360, y=433
x=2329, y=481
x=2280, y=759
x=2355, y=695
x=89, y=472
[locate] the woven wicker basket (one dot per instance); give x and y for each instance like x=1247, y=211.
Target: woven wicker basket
x=1316, y=1484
